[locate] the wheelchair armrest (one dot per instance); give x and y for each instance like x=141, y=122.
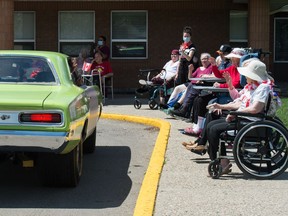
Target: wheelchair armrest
x=237, y=113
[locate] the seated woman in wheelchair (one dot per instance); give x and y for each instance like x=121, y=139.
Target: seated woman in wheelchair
x=169, y=71
x=166, y=76
x=253, y=100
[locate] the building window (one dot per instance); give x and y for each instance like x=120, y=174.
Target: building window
x=129, y=34
x=239, y=28
x=76, y=31
x=280, y=37
x=24, y=30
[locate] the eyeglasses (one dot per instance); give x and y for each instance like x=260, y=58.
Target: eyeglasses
x=174, y=55
x=204, y=59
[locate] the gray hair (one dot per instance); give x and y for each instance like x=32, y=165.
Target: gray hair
x=205, y=54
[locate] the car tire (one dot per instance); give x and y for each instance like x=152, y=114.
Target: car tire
x=90, y=143
x=61, y=170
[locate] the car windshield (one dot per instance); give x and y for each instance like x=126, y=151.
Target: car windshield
x=25, y=70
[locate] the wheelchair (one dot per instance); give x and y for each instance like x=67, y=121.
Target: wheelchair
x=259, y=148
x=150, y=91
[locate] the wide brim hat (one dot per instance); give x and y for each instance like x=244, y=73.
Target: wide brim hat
x=236, y=53
x=255, y=70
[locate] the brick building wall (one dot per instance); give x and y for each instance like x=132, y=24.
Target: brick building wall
x=166, y=19
x=6, y=24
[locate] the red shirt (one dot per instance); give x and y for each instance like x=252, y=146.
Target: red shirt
x=232, y=70
x=103, y=68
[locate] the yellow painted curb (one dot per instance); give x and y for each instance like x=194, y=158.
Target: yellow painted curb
x=146, y=199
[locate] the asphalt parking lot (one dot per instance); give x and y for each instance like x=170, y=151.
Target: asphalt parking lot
x=184, y=187
x=110, y=184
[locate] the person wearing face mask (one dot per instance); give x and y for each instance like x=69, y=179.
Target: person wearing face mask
x=188, y=61
x=101, y=46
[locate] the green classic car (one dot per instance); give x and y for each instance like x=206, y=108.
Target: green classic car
x=45, y=118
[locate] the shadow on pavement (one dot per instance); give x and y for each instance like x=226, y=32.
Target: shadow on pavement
x=105, y=183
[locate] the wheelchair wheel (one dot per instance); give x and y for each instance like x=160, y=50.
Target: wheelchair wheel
x=137, y=104
x=261, y=149
x=152, y=104
x=215, y=169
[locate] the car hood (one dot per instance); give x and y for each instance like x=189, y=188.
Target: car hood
x=19, y=97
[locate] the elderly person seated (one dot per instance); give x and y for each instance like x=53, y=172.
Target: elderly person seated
x=187, y=100
x=169, y=71
x=166, y=76
x=200, y=102
x=99, y=67
x=253, y=101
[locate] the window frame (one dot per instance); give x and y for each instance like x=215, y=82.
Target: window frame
x=129, y=40
x=275, y=42
x=85, y=42
x=234, y=12
x=26, y=41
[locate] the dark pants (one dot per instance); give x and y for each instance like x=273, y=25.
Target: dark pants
x=159, y=81
x=182, y=72
x=214, y=129
x=208, y=118
x=190, y=95
x=199, y=106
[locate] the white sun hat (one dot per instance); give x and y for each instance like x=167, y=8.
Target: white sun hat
x=255, y=70
x=236, y=53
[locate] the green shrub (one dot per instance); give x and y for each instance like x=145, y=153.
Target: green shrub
x=282, y=111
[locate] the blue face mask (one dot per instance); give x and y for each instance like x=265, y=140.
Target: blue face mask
x=186, y=39
x=100, y=43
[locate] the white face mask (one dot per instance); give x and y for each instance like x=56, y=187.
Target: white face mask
x=100, y=43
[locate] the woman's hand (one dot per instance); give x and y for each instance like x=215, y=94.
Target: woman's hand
x=228, y=79
x=212, y=61
x=216, y=85
x=230, y=118
x=176, y=76
x=217, y=111
x=199, y=82
x=214, y=106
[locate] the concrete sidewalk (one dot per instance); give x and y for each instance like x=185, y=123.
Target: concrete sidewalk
x=185, y=189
